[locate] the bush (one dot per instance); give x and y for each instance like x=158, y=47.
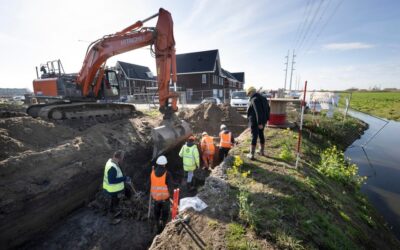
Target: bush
x=334, y=165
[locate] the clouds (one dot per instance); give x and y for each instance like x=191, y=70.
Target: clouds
x=347, y=46
x=252, y=36
x=365, y=75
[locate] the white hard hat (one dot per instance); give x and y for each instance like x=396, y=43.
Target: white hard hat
x=223, y=126
x=162, y=160
x=204, y=133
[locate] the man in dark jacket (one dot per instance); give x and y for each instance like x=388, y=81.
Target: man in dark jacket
x=257, y=115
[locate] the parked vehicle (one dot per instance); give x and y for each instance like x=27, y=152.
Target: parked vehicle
x=214, y=100
x=239, y=100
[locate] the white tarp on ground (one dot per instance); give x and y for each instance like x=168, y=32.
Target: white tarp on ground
x=194, y=202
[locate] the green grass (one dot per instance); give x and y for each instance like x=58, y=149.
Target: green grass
x=308, y=207
x=381, y=104
x=236, y=238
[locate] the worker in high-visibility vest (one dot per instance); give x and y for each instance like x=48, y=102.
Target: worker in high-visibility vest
x=190, y=155
x=226, y=141
x=160, y=179
x=207, y=150
x=114, y=181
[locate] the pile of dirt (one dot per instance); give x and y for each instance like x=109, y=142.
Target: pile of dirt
x=9, y=109
x=209, y=117
x=24, y=133
x=48, y=170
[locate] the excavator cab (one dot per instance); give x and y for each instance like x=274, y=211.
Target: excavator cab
x=110, y=87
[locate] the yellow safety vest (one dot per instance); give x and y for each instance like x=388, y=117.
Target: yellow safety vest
x=112, y=188
x=190, y=157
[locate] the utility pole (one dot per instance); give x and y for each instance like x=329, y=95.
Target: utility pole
x=287, y=62
x=291, y=73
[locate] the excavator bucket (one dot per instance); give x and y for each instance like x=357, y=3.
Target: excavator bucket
x=168, y=136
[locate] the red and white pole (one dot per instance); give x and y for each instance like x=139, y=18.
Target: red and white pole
x=175, y=203
x=303, y=105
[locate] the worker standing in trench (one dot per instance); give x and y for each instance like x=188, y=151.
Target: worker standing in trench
x=160, y=180
x=226, y=141
x=114, y=182
x=190, y=155
x=207, y=150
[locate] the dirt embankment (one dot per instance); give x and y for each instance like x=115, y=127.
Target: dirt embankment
x=47, y=170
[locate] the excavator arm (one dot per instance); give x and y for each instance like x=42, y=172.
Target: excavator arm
x=131, y=38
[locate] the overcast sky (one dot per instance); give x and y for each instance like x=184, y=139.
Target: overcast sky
x=339, y=43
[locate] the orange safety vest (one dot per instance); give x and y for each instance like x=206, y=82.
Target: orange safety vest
x=225, y=139
x=159, y=188
x=207, y=145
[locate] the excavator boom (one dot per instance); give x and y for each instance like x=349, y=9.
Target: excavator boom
x=90, y=80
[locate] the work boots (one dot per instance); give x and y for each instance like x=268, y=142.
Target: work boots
x=261, y=151
x=251, y=154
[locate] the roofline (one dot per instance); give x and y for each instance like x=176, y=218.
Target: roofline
x=198, y=52
x=198, y=72
x=128, y=78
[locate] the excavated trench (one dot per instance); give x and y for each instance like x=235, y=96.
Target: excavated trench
x=88, y=228
x=50, y=178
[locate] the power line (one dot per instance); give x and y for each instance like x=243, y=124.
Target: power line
x=308, y=12
x=324, y=25
x=318, y=23
x=301, y=24
x=310, y=25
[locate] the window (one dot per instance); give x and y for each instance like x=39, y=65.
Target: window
x=203, y=78
x=215, y=92
x=221, y=81
x=221, y=94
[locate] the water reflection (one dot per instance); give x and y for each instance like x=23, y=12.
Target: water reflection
x=377, y=154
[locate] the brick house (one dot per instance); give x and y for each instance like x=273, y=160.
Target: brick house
x=135, y=79
x=200, y=74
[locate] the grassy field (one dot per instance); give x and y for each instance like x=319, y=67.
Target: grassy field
x=316, y=206
x=381, y=104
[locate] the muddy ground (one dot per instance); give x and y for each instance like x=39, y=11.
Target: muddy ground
x=51, y=172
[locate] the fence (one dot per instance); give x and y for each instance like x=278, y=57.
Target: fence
x=188, y=97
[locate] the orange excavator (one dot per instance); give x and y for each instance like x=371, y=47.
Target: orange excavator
x=89, y=94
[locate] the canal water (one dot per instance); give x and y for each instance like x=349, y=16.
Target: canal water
x=377, y=154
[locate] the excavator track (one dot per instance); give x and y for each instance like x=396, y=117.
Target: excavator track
x=81, y=110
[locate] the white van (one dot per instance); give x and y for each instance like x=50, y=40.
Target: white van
x=239, y=100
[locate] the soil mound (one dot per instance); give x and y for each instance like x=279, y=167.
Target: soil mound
x=209, y=117
x=19, y=134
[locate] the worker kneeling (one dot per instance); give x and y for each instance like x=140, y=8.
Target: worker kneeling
x=114, y=181
x=207, y=150
x=160, y=178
